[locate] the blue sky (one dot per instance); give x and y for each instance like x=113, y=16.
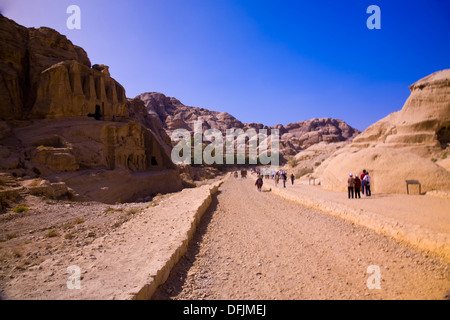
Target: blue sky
x=260, y=60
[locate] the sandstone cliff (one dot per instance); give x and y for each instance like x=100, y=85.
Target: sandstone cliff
x=43, y=75
x=410, y=144
x=68, y=121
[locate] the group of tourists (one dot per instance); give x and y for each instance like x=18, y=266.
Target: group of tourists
x=359, y=184
x=276, y=176
x=243, y=174
x=280, y=175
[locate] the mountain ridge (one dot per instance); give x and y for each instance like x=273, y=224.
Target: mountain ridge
x=294, y=137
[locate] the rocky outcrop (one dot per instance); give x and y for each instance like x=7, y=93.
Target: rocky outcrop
x=71, y=89
x=138, y=111
x=410, y=144
x=174, y=115
x=424, y=120
x=43, y=75
x=60, y=118
x=302, y=135
x=67, y=145
x=294, y=137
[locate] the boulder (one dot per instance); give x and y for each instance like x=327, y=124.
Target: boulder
x=57, y=160
x=46, y=188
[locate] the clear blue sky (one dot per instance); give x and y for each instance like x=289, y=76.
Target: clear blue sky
x=260, y=60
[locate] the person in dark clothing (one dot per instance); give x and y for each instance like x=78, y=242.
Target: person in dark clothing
x=357, y=187
x=259, y=183
x=292, y=178
x=351, y=185
x=284, y=178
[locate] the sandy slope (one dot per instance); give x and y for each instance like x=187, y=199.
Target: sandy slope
x=254, y=245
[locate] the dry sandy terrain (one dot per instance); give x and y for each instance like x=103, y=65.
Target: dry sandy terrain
x=119, y=249
x=53, y=230
x=249, y=245
x=253, y=245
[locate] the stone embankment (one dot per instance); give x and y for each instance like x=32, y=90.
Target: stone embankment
x=420, y=221
x=128, y=262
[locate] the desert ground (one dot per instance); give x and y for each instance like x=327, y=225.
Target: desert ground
x=253, y=245
x=248, y=245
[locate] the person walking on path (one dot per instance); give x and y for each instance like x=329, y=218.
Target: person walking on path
x=292, y=178
x=284, y=178
x=259, y=183
x=277, y=179
x=351, y=185
x=363, y=183
x=367, y=179
x=357, y=187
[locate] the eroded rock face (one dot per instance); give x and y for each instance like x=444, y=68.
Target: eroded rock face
x=294, y=137
x=302, y=135
x=410, y=144
x=69, y=145
x=138, y=111
x=60, y=118
x=70, y=89
x=24, y=54
x=43, y=75
x=423, y=120
x=174, y=115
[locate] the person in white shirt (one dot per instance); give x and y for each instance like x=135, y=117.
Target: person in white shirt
x=367, y=180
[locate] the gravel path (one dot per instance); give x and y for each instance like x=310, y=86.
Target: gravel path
x=254, y=245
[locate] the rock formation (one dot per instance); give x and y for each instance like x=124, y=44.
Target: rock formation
x=175, y=115
x=43, y=75
x=69, y=122
x=71, y=89
x=302, y=135
x=294, y=137
x=410, y=144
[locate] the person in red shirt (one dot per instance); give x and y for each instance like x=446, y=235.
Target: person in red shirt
x=363, y=183
x=357, y=187
x=259, y=183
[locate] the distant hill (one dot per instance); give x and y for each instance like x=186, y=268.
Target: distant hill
x=294, y=137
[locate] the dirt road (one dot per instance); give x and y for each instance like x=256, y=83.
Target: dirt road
x=254, y=245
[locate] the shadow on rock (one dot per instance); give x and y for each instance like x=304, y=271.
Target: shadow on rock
x=178, y=276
